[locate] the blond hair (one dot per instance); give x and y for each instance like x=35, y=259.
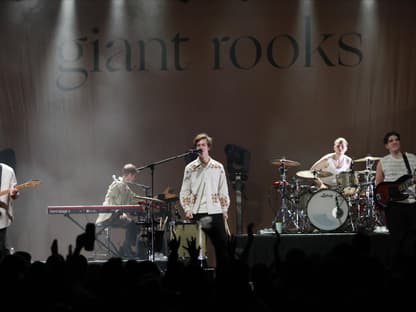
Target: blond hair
x=339, y=140
x=202, y=136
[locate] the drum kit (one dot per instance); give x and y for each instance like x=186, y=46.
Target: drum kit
x=348, y=207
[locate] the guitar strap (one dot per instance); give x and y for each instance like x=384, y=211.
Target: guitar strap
x=1, y=173
x=406, y=161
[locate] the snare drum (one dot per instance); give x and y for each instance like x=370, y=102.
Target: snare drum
x=327, y=210
x=347, y=183
x=186, y=230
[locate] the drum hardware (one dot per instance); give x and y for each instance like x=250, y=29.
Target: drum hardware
x=367, y=159
x=367, y=217
x=283, y=162
x=284, y=214
x=152, y=207
x=313, y=174
x=301, y=195
x=366, y=172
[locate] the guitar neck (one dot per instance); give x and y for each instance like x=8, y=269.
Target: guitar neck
x=20, y=187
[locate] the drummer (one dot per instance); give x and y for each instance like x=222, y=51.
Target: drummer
x=332, y=164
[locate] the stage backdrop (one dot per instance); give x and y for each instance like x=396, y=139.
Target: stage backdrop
x=87, y=86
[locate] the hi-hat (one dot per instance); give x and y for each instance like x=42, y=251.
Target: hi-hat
x=309, y=174
x=367, y=158
x=285, y=162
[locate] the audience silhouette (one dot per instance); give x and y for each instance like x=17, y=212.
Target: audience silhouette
x=348, y=276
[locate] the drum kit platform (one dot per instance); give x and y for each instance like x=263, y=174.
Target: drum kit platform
x=348, y=207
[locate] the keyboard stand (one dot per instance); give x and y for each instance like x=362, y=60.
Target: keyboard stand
x=108, y=245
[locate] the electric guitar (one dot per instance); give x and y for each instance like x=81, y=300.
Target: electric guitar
x=386, y=192
x=5, y=206
x=22, y=186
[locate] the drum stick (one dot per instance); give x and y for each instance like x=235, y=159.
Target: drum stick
x=227, y=228
x=164, y=222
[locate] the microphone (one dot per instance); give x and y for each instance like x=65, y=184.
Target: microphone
x=146, y=187
x=119, y=179
x=195, y=151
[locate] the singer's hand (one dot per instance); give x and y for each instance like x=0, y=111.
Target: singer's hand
x=189, y=215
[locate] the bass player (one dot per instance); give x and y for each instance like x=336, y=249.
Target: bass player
x=394, y=177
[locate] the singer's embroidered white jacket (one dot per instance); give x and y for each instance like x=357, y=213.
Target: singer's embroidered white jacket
x=204, y=188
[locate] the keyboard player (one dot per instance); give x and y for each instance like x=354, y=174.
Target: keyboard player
x=119, y=193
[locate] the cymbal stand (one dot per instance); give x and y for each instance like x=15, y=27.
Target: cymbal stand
x=368, y=217
x=283, y=214
x=350, y=214
x=301, y=221
x=150, y=231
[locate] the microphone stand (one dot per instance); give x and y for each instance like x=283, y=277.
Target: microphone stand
x=153, y=165
x=150, y=210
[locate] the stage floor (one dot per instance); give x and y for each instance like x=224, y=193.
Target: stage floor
x=316, y=244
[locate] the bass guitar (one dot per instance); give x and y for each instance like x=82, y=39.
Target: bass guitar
x=387, y=192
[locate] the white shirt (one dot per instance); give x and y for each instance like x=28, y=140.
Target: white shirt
x=393, y=168
x=204, y=188
x=8, y=179
x=331, y=167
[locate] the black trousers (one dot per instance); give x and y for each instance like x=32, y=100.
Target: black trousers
x=214, y=227
x=3, y=237
x=401, y=222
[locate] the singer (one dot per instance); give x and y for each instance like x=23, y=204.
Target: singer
x=119, y=193
x=204, y=196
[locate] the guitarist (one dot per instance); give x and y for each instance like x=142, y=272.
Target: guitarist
x=400, y=215
x=8, y=182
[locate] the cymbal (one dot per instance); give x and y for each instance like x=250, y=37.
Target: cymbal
x=151, y=199
x=309, y=174
x=367, y=158
x=168, y=194
x=323, y=174
x=285, y=162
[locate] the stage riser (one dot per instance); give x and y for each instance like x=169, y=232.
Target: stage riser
x=312, y=244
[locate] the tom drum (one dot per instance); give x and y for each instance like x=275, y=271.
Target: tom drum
x=347, y=183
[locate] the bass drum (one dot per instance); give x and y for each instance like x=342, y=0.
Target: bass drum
x=186, y=230
x=327, y=210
